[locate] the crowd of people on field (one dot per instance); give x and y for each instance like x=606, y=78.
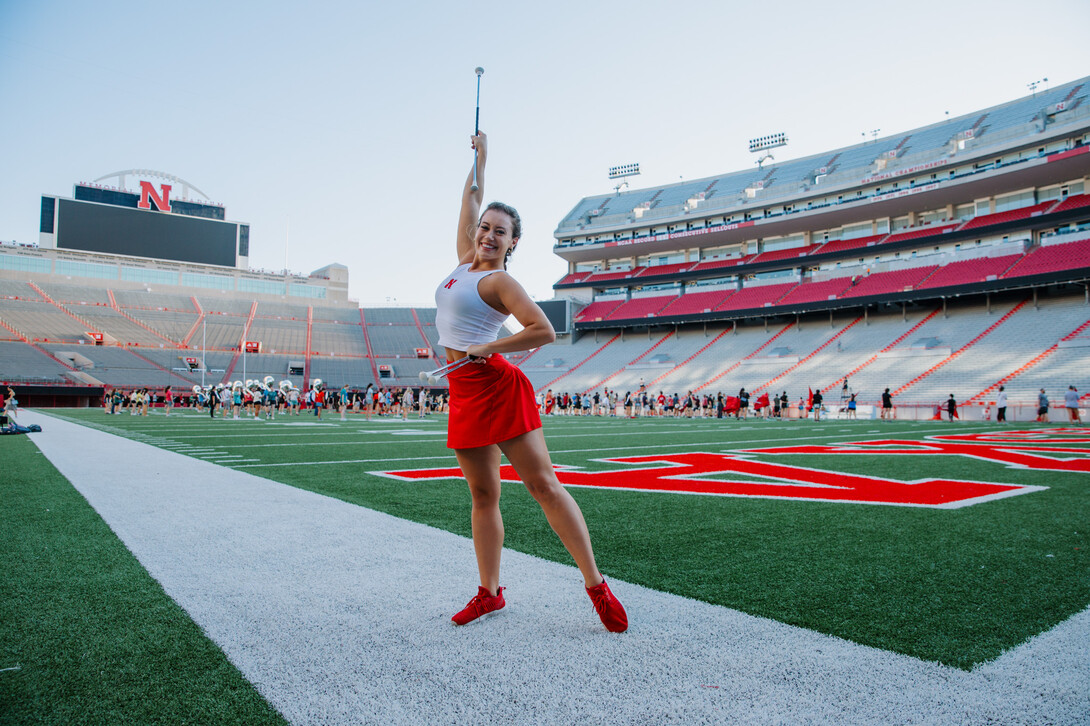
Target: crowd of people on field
x=260, y=398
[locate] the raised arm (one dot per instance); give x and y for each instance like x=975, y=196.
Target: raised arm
x=471, y=201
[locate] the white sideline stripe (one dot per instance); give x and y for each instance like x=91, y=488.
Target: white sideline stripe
x=340, y=615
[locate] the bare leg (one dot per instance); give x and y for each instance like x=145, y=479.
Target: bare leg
x=530, y=457
x=481, y=467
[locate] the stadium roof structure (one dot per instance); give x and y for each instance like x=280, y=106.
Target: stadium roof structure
x=947, y=162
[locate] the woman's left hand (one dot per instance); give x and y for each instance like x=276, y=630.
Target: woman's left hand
x=478, y=352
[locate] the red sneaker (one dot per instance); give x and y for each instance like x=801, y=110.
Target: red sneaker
x=482, y=603
x=609, y=608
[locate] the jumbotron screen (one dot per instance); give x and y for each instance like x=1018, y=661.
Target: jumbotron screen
x=115, y=230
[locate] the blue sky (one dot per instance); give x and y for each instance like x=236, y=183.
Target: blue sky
x=348, y=123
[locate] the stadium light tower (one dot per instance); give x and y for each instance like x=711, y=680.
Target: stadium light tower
x=763, y=144
x=1033, y=86
x=873, y=133
x=622, y=172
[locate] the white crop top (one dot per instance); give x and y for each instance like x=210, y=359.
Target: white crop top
x=462, y=317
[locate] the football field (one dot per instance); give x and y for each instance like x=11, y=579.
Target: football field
x=949, y=543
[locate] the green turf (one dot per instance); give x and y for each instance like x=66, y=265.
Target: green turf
x=86, y=635
x=955, y=586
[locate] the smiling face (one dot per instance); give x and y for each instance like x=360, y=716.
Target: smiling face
x=495, y=236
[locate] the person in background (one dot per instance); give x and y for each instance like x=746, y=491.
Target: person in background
x=1001, y=405
x=887, y=405
x=1042, y=407
x=1071, y=403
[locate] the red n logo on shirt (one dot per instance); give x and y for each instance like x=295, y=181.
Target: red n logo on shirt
x=448, y=285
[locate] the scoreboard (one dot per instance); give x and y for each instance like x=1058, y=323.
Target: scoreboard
x=148, y=224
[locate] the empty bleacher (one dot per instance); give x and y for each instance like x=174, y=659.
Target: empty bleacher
x=394, y=340
x=1053, y=258
x=695, y=303
x=967, y=272
x=280, y=335
x=1012, y=215
x=347, y=339
x=884, y=283
x=756, y=296
x=42, y=321
x=641, y=307
x=810, y=292
x=25, y=363
x=598, y=310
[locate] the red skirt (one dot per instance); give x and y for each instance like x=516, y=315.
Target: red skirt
x=490, y=402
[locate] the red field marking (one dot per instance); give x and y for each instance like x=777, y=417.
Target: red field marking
x=1016, y=454
x=684, y=474
x=1031, y=436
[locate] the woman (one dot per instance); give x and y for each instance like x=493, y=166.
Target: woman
x=472, y=303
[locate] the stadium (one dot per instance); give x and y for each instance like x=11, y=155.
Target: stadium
x=176, y=568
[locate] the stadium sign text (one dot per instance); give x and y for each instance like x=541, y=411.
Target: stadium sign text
x=692, y=472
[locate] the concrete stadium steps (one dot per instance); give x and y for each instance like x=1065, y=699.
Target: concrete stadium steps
x=279, y=335
x=170, y=324
x=722, y=350
x=645, y=358
x=18, y=290
x=993, y=356
x=934, y=341
x=143, y=299
x=342, y=338
x=639, y=363
x=389, y=339
x=848, y=355
x=173, y=358
x=566, y=385
x=555, y=360
x=25, y=362
x=922, y=391
x=75, y=294
x=219, y=332
x=118, y=366
x=1063, y=368
x=43, y=321
x=112, y=323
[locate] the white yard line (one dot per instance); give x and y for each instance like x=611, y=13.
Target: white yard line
x=340, y=615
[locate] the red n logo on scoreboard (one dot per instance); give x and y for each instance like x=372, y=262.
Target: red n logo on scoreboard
x=148, y=194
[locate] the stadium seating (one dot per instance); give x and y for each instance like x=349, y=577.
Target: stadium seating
x=843, y=245
x=718, y=264
x=1076, y=201
x=640, y=307
x=598, y=310
x=665, y=269
x=1053, y=258
x=920, y=233
x=884, y=283
x=572, y=278
x=967, y=272
x=810, y=292
x=1013, y=215
x=696, y=303
x=756, y=296
x=600, y=277
x=786, y=255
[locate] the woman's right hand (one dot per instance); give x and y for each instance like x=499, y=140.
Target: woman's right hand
x=479, y=143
